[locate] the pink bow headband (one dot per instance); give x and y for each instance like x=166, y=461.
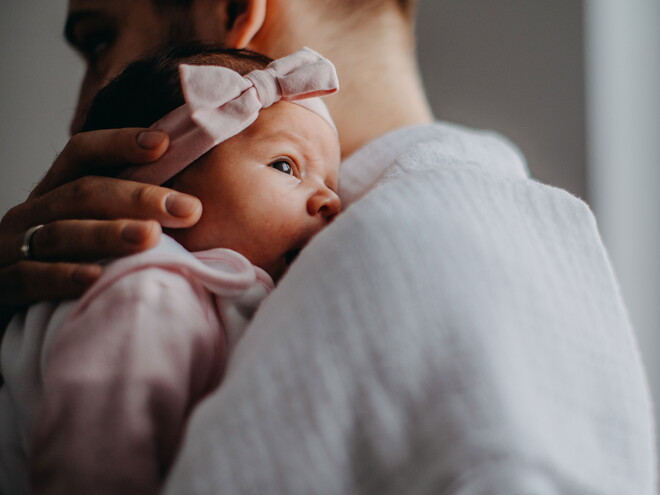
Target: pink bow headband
x=220, y=103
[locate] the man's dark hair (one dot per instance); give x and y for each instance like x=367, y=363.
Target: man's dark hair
x=149, y=88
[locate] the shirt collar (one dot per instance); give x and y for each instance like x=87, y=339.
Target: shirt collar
x=361, y=170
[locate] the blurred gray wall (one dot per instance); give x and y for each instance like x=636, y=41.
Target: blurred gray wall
x=38, y=86
x=515, y=66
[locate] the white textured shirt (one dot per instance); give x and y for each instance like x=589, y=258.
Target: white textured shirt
x=457, y=330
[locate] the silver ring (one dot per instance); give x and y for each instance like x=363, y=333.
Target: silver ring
x=26, y=247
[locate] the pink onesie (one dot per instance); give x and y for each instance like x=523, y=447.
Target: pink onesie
x=98, y=390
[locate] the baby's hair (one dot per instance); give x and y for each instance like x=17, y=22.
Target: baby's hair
x=149, y=88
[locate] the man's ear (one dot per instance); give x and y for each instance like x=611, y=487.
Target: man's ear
x=244, y=20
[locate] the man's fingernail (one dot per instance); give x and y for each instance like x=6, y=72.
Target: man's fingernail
x=87, y=274
x=150, y=140
x=181, y=206
x=135, y=232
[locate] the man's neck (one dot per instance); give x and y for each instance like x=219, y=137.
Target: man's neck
x=381, y=90
x=376, y=100
x=380, y=84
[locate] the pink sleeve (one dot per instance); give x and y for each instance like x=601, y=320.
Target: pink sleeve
x=119, y=381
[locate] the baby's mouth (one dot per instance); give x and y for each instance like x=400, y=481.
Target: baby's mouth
x=291, y=256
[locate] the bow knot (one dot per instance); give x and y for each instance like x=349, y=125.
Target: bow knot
x=216, y=94
x=266, y=85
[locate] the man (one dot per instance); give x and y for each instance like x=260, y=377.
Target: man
x=458, y=328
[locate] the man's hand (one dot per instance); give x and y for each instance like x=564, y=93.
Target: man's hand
x=87, y=217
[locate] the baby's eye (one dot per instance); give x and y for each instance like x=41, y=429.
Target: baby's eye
x=282, y=166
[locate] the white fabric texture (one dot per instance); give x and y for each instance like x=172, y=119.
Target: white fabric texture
x=457, y=330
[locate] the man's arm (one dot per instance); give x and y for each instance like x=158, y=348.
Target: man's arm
x=85, y=217
x=119, y=379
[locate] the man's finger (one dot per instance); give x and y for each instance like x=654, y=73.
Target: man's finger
x=84, y=240
x=102, y=151
x=107, y=198
x=88, y=240
x=29, y=281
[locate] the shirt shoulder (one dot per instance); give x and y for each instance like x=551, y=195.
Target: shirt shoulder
x=479, y=232
x=483, y=148
x=427, y=147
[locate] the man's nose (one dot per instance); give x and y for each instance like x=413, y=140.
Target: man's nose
x=324, y=202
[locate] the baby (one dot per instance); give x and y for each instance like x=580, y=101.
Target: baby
x=97, y=391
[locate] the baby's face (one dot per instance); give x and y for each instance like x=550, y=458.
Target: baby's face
x=267, y=190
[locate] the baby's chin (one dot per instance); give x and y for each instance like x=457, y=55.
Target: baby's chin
x=291, y=256
x=278, y=268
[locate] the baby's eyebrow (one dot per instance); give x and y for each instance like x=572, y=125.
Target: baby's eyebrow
x=300, y=144
x=279, y=134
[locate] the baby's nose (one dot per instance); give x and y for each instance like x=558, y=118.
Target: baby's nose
x=324, y=202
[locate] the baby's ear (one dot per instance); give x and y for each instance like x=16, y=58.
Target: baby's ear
x=244, y=20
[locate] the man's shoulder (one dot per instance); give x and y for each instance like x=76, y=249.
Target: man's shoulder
x=445, y=146
x=427, y=147
x=467, y=178
x=482, y=146
x=479, y=232
x=424, y=186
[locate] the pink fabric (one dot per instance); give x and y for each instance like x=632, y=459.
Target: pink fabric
x=220, y=103
x=139, y=350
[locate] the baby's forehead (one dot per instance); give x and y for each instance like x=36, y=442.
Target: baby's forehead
x=297, y=125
